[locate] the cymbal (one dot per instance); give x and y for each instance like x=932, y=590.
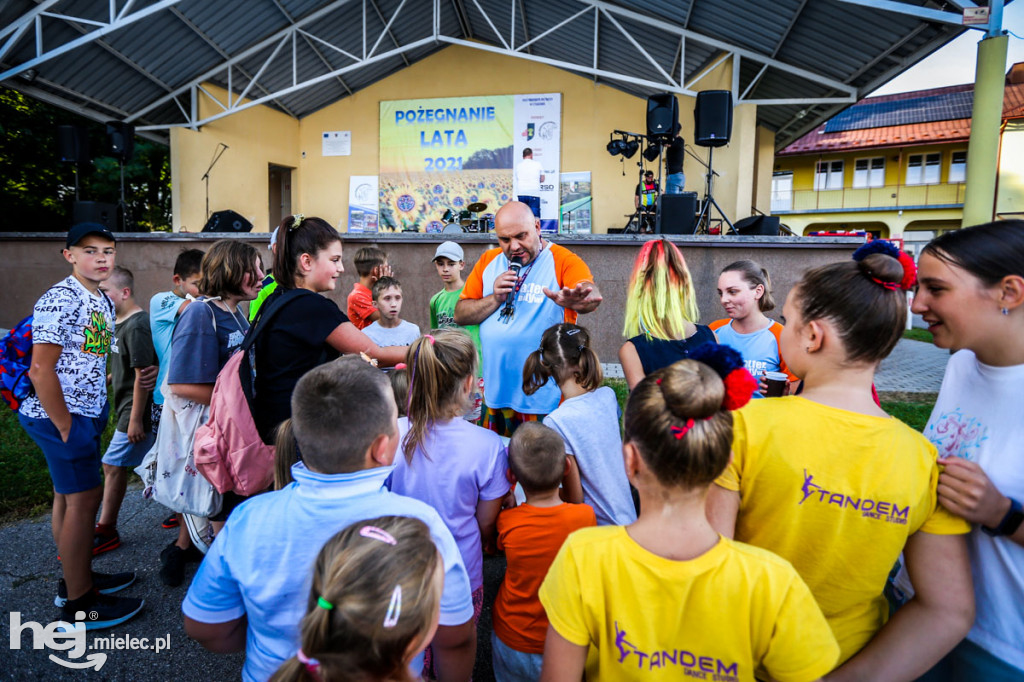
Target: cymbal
x=477, y=207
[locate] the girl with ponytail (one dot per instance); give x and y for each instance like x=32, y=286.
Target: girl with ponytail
x=456, y=467
x=837, y=487
x=373, y=607
x=309, y=329
x=666, y=594
x=661, y=312
x=587, y=420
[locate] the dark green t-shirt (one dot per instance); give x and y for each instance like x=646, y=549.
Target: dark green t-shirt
x=134, y=349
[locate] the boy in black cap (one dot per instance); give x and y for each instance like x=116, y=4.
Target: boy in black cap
x=72, y=329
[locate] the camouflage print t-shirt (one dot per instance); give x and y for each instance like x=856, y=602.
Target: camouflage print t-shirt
x=82, y=323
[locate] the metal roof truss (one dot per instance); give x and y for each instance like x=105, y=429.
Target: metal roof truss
x=278, y=53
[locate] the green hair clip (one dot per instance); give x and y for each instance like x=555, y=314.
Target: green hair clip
x=324, y=604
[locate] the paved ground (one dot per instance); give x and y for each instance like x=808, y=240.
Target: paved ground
x=29, y=572
x=28, y=584
x=912, y=367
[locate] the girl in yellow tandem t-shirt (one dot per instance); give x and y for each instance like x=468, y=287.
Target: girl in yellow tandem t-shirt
x=667, y=598
x=838, y=488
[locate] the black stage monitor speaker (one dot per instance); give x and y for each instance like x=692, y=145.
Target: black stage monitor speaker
x=95, y=212
x=764, y=225
x=72, y=144
x=662, y=115
x=712, y=118
x=677, y=213
x=227, y=221
x=120, y=140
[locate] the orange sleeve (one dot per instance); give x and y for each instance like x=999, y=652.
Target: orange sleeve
x=570, y=268
x=776, y=330
x=474, y=286
x=718, y=324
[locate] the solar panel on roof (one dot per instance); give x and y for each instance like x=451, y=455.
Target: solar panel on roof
x=942, y=107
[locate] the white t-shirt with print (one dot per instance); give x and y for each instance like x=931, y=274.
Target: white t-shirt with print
x=977, y=416
x=402, y=335
x=82, y=323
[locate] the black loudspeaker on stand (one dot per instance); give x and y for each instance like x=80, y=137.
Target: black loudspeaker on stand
x=227, y=221
x=677, y=213
x=712, y=118
x=662, y=115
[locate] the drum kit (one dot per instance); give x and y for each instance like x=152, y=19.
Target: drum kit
x=472, y=219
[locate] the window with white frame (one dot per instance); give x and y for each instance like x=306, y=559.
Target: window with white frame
x=958, y=167
x=828, y=175
x=782, y=191
x=869, y=172
x=923, y=169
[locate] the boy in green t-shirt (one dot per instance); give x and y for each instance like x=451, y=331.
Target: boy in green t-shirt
x=449, y=262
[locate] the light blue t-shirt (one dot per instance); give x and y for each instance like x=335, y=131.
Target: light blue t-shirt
x=403, y=335
x=506, y=345
x=589, y=425
x=261, y=563
x=163, y=314
x=760, y=349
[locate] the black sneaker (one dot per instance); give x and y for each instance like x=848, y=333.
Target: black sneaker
x=104, y=583
x=170, y=522
x=98, y=611
x=172, y=563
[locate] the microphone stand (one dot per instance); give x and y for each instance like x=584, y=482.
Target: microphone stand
x=206, y=176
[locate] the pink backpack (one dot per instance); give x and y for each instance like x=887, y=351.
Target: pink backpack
x=228, y=449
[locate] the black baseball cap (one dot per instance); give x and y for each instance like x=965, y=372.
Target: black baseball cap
x=83, y=230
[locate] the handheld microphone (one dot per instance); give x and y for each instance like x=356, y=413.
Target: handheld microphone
x=515, y=266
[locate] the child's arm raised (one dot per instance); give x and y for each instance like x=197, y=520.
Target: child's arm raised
x=563, y=660
x=43, y=374
x=926, y=628
x=347, y=339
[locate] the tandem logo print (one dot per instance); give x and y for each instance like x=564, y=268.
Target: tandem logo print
x=71, y=638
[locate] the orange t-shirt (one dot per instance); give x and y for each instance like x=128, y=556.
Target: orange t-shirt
x=531, y=537
x=360, y=306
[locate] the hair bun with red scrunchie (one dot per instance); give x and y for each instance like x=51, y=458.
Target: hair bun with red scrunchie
x=890, y=249
x=728, y=364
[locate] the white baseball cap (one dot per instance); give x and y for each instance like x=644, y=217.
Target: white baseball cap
x=449, y=250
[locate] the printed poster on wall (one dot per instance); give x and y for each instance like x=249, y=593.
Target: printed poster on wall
x=574, y=212
x=362, y=203
x=440, y=155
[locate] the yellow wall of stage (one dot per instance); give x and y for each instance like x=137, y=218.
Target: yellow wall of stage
x=256, y=137
x=261, y=136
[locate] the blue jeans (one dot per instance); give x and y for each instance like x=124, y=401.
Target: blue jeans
x=514, y=666
x=968, y=661
x=532, y=202
x=674, y=183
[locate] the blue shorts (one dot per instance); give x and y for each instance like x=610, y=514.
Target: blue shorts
x=123, y=453
x=513, y=666
x=75, y=465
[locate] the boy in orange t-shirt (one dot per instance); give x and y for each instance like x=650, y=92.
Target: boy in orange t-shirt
x=531, y=535
x=371, y=265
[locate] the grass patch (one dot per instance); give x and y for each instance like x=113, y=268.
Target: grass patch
x=25, y=486
x=918, y=335
x=914, y=415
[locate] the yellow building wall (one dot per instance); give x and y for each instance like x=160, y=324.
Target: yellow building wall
x=896, y=163
x=256, y=138
x=764, y=157
x=261, y=136
x=1010, y=188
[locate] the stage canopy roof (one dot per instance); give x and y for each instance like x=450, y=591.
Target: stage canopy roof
x=145, y=61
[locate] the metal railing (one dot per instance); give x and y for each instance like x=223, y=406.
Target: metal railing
x=886, y=196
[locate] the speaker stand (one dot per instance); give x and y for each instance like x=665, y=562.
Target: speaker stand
x=122, y=207
x=704, y=219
